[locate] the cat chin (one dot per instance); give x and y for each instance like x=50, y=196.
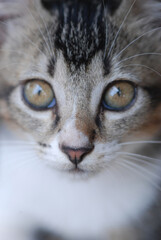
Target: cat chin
x=82, y=172
x=73, y=172
x=77, y=174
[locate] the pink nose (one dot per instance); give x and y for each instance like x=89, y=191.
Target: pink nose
x=76, y=155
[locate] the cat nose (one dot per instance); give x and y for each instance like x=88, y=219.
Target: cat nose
x=76, y=155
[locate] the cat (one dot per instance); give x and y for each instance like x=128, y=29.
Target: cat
x=80, y=111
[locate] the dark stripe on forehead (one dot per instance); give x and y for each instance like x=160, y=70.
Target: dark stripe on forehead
x=82, y=30
x=112, y=4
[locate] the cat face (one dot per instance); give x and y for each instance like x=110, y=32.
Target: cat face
x=81, y=86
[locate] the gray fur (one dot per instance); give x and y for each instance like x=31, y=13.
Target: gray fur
x=79, y=57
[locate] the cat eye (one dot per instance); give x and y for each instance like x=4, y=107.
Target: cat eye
x=39, y=95
x=119, y=95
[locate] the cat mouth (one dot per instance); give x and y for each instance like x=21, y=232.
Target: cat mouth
x=79, y=174
x=77, y=170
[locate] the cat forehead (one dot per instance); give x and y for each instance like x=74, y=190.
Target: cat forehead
x=81, y=31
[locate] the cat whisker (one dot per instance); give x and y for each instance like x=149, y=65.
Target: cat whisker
x=141, y=65
x=143, y=169
x=12, y=150
x=24, y=163
x=139, y=142
x=139, y=55
x=107, y=29
x=40, y=31
x=28, y=39
x=139, y=156
x=13, y=63
x=143, y=161
x=120, y=28
x=14, y=154
x=14, y=142
x=18, y=52
x=136, y=39
x=47, y=31
x=21, y=158
x=140, y=171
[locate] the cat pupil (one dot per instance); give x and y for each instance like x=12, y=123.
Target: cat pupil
x=37, y=90
x=119, y=92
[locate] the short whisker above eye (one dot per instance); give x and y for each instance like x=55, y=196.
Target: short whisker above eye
x=137, y=39
x=11, y=64
x=120, y=28
x=48, y=47
x=49, y=44
x=143, y=66
x=21, y=53
x=140, y=55
x=28, y=39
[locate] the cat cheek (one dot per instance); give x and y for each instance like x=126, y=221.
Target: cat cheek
x=152, y=125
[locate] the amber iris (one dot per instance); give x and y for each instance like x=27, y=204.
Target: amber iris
x=39, y=95
x=119, y=95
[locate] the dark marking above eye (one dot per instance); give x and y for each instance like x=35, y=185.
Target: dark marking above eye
x=106, y=66
x=51, y=67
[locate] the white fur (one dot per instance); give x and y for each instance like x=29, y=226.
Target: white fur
x=32, y=193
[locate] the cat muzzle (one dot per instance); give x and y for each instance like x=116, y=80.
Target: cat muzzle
x=76, y=155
